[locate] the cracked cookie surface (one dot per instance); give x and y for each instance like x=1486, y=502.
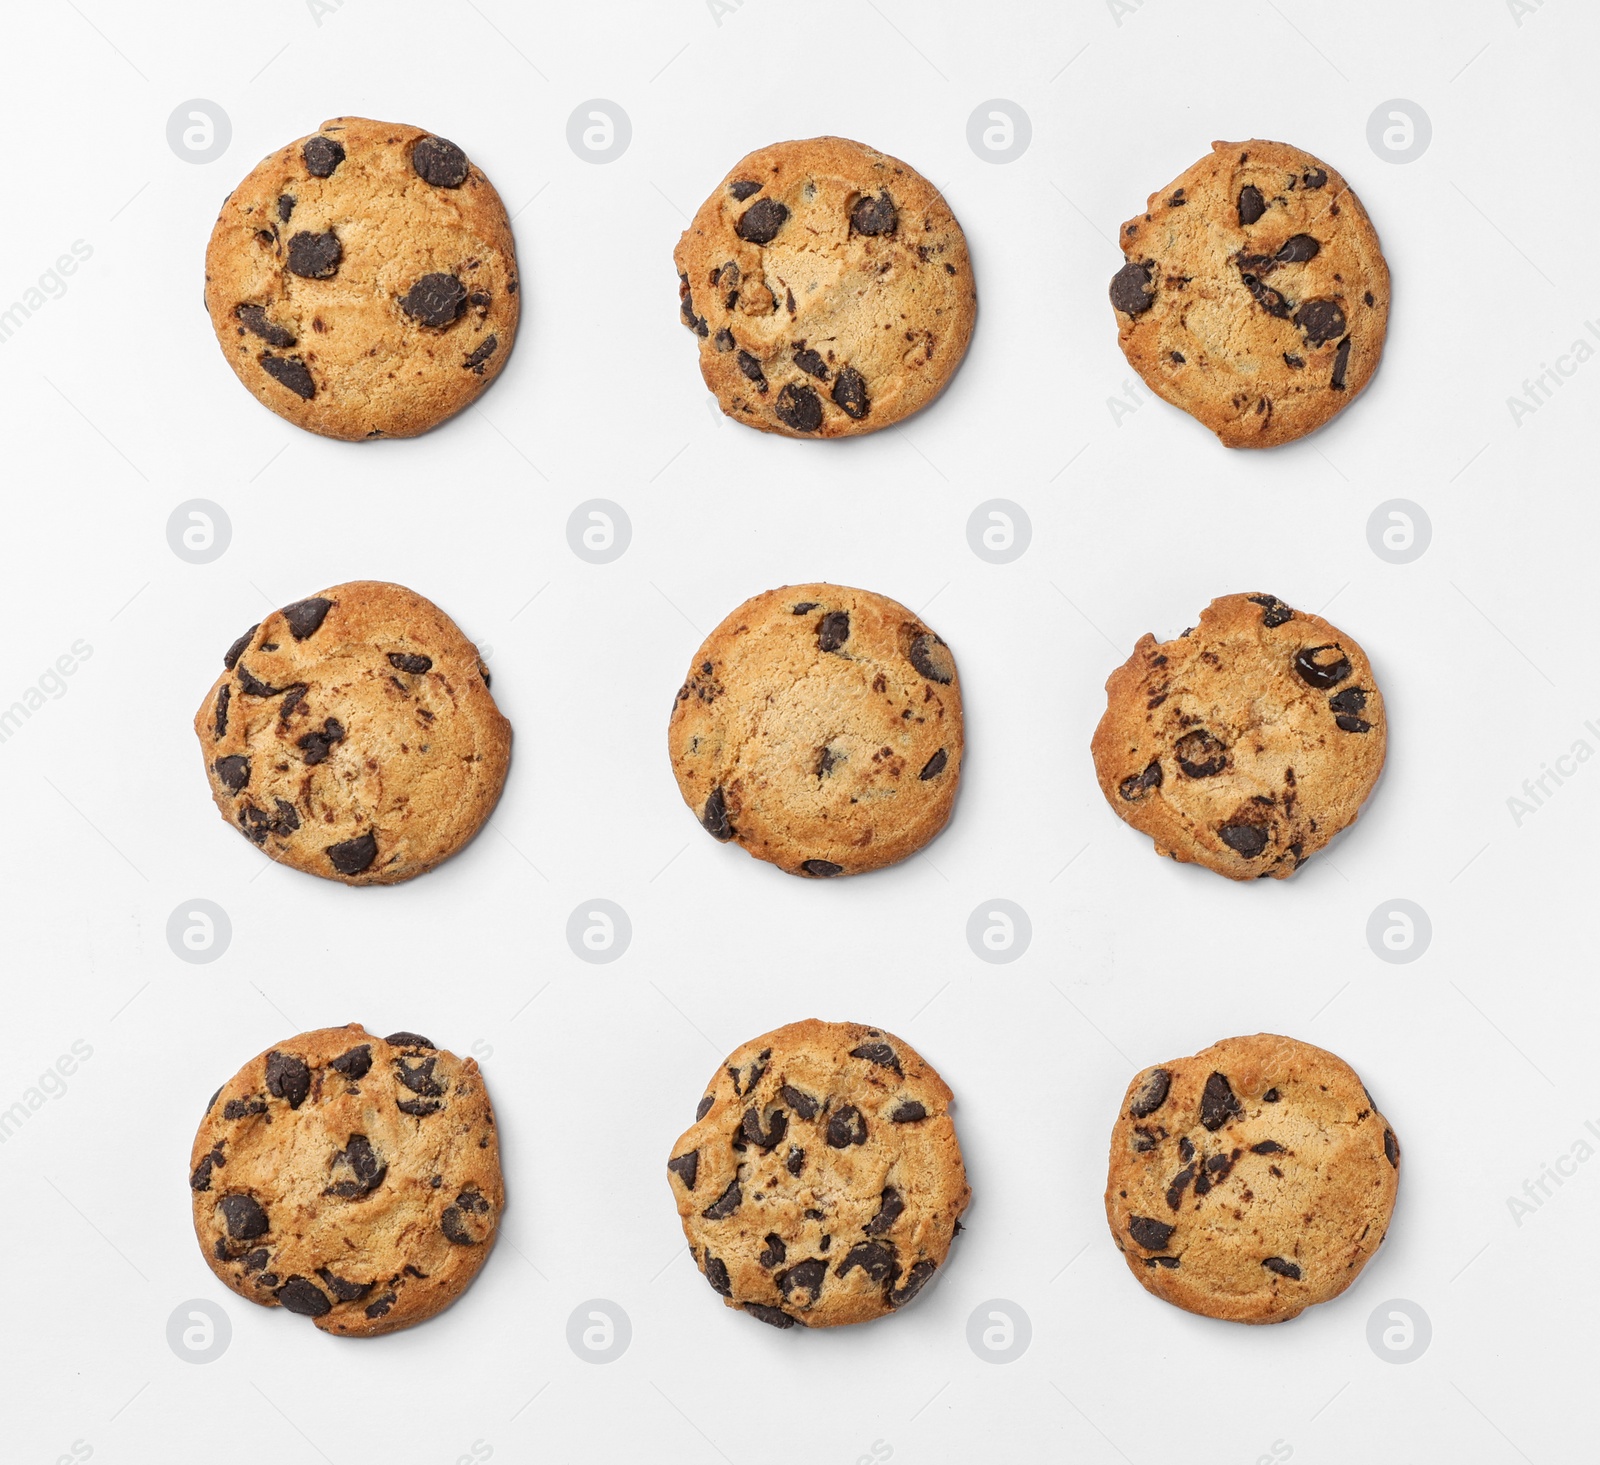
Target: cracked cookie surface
x=830, y=289
x=352, y=735
x=363, y=281
x=1246, y=743
x=820, y=728
x=1252, y=1180
x=821, y=1182
x=1255, y=294
x=351, y=1179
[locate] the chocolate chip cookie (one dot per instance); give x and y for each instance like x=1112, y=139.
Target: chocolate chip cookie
x=351, y=1179
x=363, y=281
x=821, y=1182
x=1245, y=744
x=820, y=728
x=1255, y=295
x=352, y=735
x=830, y=288
x=1251, y=1181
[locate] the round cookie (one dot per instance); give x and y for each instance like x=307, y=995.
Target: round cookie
x=820, y=728
x=1251, y=1181
x=1245, y=744
x=1255, y=295
x=351, y=1179
x=830, y=287
x=352, y=735
x=821, y=1182
x=363, y=281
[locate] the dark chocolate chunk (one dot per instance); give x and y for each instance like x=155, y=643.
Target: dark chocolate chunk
x=1391, y=1148
x=456, y=1220
x=774, y=1252
x=1323, y=672
x=352, y=856
x=874, y=215
x=717, y=1275
x=306, y=616
x=315, y=256
x=230, y=658
x=821, y=869
x=1341, y=365
x=1169, y=1262
x=317, y=745
x=811, y=363
x=1218, y=1103
x=1244, y=838
x=379, y=1306
x=879, y=1053
x=1131, y=291
x=435, y=300
x=288, y=1078
x=890, y=1207
x=322, y=155
x=759, y=224
x=1151, y=1235
x=1137, y=785
x=796, y=1161
x=367, y=1171
x=1282, y=1268
x=412, y=665
x=751, y=369
x=1321, y=320
x=252, y=687
x=254, y=1261
x=343, y=1290
x=908, y=1111
x=726, y=1203
x=419, y=1080
x=200, y=1177
x=934, y=766
x=304, y=1297
x=715, y=817
x=1266, y=1147
x=1297, y=249
x=243, y=1108
x=704, y=1106
x=1315, y=178
x=799, y=407
x=439, y=162
x=723, y=340
x=1199, y=754
x=1347, y=707
x=288, y=817
x=806, y=1276
x=290, y=372
x=742, y=188
x=234, y=771
x=1251, y=268
x=1271, y=1096
x=286, y=203
x=850, y=393
x=916, y=1280
x=1274, y=612
x=1179, y=1184
x=418, y=1108
x=932, y=659
x=833, y=630
x=481, y=353
x=254, y=319
x=846, y=1127
x=244, y=1216
x=1251, y=204
x=773, y=1316
x=777, y=1126
x=409, y=1040
x=1151, y=1093
x=804, y=1106
x=875, y=1258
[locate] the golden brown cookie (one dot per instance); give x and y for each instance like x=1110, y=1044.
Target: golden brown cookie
x=820, y=728
x=352, y=735
x=830, y=287
x=1245, y=744
x=1255, y=296
x=821, y=1182
x=351, y=1179
x=1250, y=1181
x=363, y=281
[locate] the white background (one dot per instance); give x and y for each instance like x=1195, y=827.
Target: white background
x=118, y=406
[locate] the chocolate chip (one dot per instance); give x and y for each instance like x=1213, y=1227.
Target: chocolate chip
x=343, y=1291
x=220, y=715
x=875, y=1258
x=1297, y=249
x=908, y=1111
x=1348, y=705
x=254, y=1261
x=1151, y=1235
x=1270, y=300
x=890, y=1208
x=288, y=1078
x=230, y=658
x=804, y=1106
x=355, y=1062
x=439, y=162
x=934, y=766
x=244, y=1216
x=315, y=256
x=254, y=319
x=200, y=1177
x=1244, y=838
x=750, y=1128
x=409, y=1040
x=1315, y=178
x=717, y=1275
x=322, y=155
x=715, y=816
x=1218, y=1103
x=833, y=630
x=288, y=817
x=811, y=363
x=804, y=606
x=481, y=354
x=916, y=1280
x=1391, y=1148
x=253, y=687
x=286, y=203
x=419, y=1080
x=696, y=323
x=773, y=1316
x=726, y=1203
x=300, y=1296
x=874, y=215
x=418, y=1108
x=305, y=616
x=1321, y=320
x=234, y=772
x=879, y=1053
x=1169, y=1262
x=1151, y=1093
x=1282, y=1268
x=704, y=1107
x=742, y=188
x=932, y=659
x=1137, y=785
x=1179, y=1184
x=1274, y=612
x=1131, y=291
x=806, y=1276
x=759, y=224
x=1291, y=360
x=352, y=856
x=1251, y=204
x=412, y=665
x=799, y=407
x=850, y=393
x=1199, y=754
x=243, y=1108
x=796, y=1161
x=317, y=745
x=686, y=1167
x=723, y=340
x=291, y=372
x=456, y=1220
x=751, y=369
x=1341, y=365
x=821, y=869
x=435, y=300
x=379, y=1306
x=846, y=1127
x=1271, y=1096
x=1266, y=1147
x=1322, y=673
